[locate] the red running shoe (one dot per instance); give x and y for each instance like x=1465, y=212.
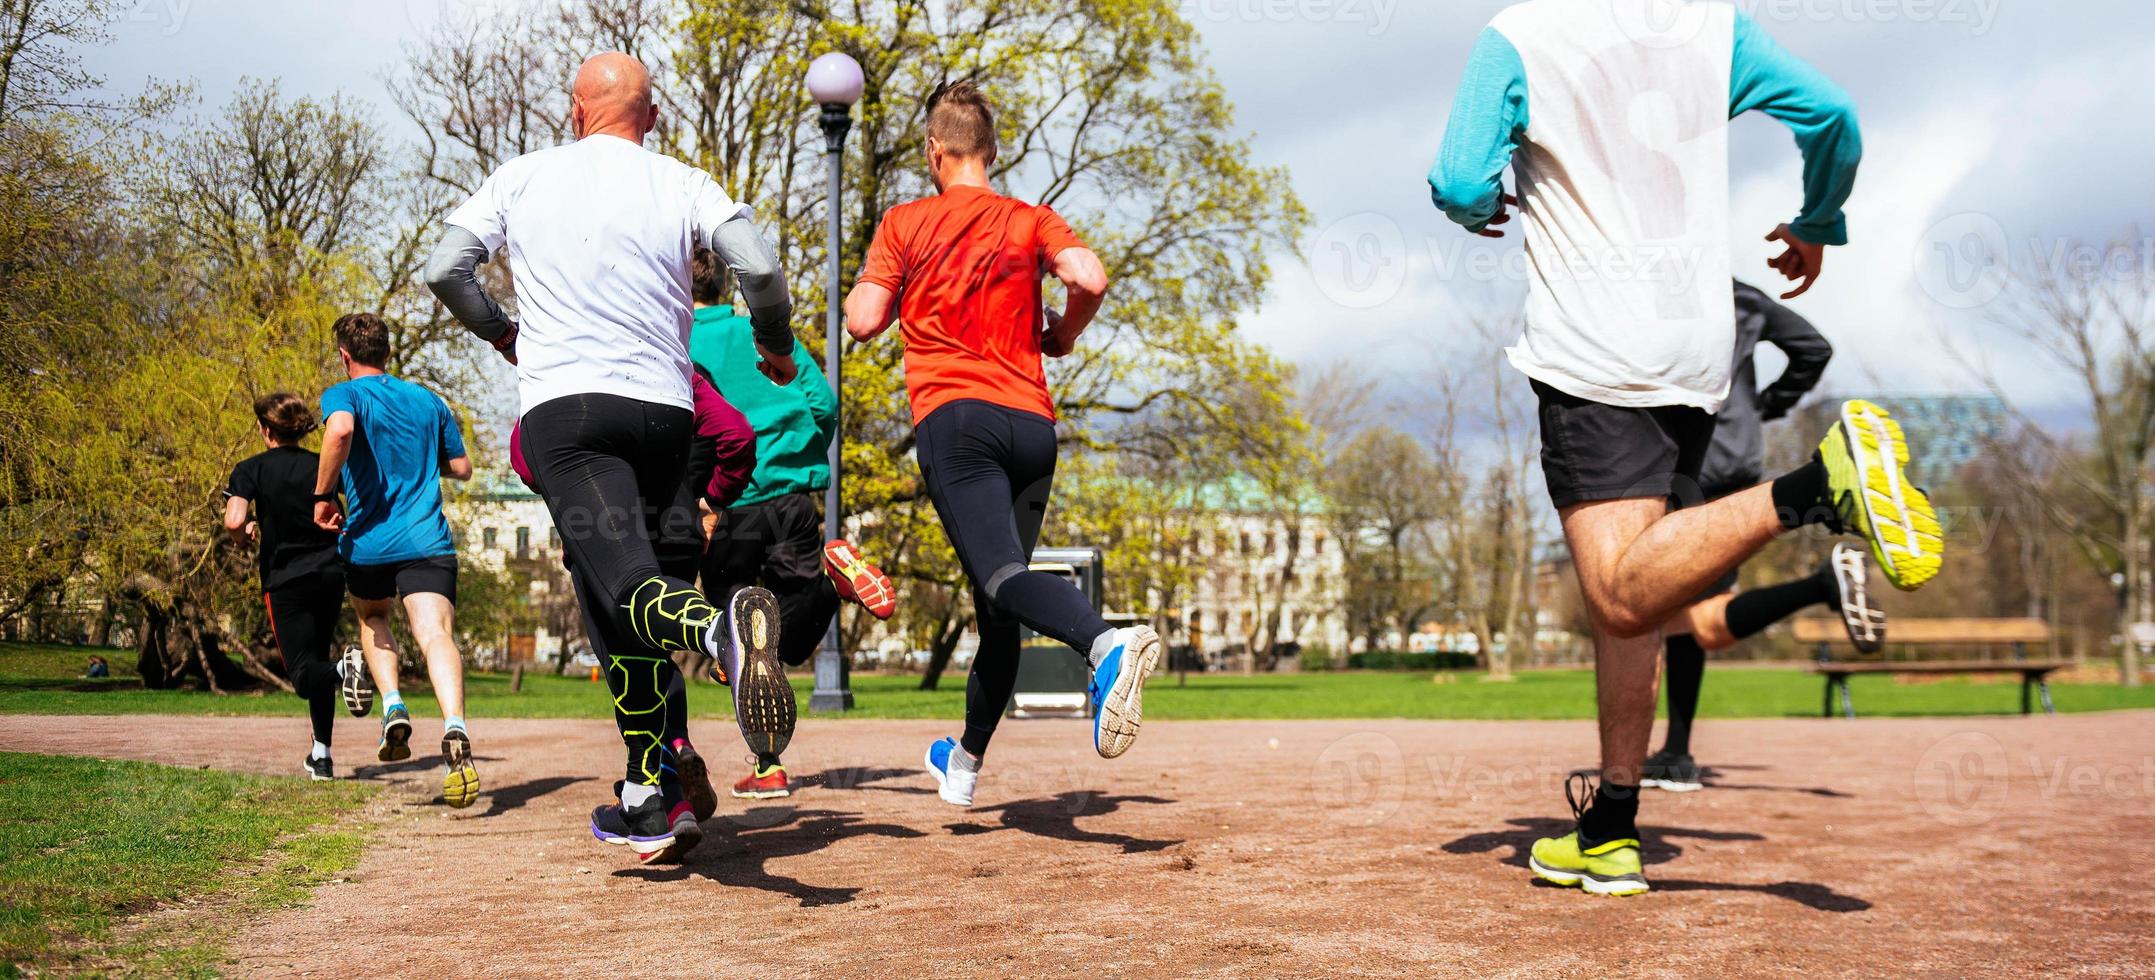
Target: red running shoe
x=764, y=784
x=859, y=581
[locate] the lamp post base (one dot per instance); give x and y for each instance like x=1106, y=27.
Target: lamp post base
x=834, y=690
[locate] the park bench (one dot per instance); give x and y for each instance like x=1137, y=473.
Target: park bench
x=1984, y=634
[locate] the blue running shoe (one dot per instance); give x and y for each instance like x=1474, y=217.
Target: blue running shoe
x=396, y=744
x=954, y=785
x=1118, y=690
x=647, y=828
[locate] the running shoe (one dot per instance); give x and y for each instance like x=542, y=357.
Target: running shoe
x=647, y=829
x=858, y=581
x=1610, y=867
x=1118, y=690
x=357, y=685
x=1851, y=576
x=396, y=744
x=318, y=770
x=1672, y=771
x=762, y=700
x=763, y=784
x=1866, y=458
x=460, y=780
x=955, y=786
x=695, y=777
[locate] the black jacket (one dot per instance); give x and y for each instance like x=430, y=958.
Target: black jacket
x=1736, y=458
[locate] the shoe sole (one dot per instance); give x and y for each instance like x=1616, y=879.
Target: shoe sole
x=848, y=574
x=762, y=794
x=686, y=836
x=1673, y=785
x=695, y=778
x=396, y=741
x=311, y=774
x=1588, y=883
x=942, y=783
x=460, y=784
x=356, y=687
x=657, y=845
x=1122, y=711
x=762, y=700
x=1894, y=517
x=1866, y=623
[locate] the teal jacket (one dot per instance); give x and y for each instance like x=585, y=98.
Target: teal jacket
x=793, y=424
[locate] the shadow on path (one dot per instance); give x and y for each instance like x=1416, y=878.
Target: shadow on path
x=739, y=859
x=1056, y=817
x=858, y=778
x=499, y=801
x=1655, y=847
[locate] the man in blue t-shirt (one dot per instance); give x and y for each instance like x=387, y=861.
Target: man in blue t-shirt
x=387, y=443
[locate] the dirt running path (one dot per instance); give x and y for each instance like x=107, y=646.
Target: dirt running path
x=2001, y=846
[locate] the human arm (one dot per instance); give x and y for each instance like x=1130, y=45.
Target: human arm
x=454, y=460
x=1084, y=282
x=1488, y=119
x=236, y=524
x=872, y=306
x=1808, y=352
x=726, y=449
x=763, y=287
x=336, y=449
x=1765, y=76
x=474, y=231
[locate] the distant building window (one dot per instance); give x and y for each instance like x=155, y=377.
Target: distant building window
x=486, y=538
x=523, y=542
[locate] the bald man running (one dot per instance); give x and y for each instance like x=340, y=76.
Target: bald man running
x=600, y=234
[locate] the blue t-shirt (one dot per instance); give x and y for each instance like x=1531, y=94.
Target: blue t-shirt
x=402, y=433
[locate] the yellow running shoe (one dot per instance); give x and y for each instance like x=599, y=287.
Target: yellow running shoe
x=1610, y=867
x=460, y=784
x=1866, y=459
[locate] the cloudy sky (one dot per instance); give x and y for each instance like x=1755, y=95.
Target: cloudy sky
x=2013, y=121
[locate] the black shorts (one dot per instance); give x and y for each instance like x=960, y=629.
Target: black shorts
x=1591, y=451
x=403, y=578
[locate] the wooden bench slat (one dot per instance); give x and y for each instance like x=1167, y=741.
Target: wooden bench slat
x=1938, y=666
x=1915, y=632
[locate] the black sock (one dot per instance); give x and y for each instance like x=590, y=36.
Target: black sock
x=1757, y=609
x=1799, y=496
x=1687, y=667
x=765, y=761
x=1615, y=814
x=322, y=713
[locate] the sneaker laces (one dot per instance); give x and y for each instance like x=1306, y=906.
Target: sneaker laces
x=1579, y=792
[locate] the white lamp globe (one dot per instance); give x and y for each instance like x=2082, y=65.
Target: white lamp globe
x=835, y=79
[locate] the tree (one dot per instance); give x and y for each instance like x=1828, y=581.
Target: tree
x=1385, y=491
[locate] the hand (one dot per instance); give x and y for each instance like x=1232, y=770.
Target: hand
x=327, y=516
x=506, y=344
x=1801, y=260
x=252, y=533
x=1052, y=341
x=777, y=367
x=1502, y=216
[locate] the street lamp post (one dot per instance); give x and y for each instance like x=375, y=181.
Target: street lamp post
x=835, y=81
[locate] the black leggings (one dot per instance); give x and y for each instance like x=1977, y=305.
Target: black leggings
x=989, y=470
x=607, y=465
x=778, y=544
x=303, y=617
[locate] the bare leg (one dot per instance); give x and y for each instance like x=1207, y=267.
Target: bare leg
x=375, y=641
x=1647, y=563
x=433, y=620
x=1706, y=621
x=1626, y=668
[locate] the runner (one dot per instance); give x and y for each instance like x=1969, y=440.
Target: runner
x=721, y=459
x=1614, y=120
x=961, y=271
x=389, y=442
x=773, y=533
x=599, y=234
x=302, y=580
x=1735, y=461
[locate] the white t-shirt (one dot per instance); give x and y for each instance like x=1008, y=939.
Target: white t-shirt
x=600, y=233
x=1623, y=175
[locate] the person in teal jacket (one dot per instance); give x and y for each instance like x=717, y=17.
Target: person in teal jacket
x=773, y=535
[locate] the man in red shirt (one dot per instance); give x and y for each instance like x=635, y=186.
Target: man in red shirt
x=961, y=273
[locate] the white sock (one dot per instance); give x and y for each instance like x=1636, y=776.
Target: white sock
x=321, y=751
x=1102, y=645
x=963, y=761
x=634, y=794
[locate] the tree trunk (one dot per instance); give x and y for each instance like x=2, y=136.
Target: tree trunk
x=946, y=643
x=2131, y=608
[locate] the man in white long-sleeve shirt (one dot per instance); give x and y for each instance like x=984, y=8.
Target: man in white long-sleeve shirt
x=1613, y=115
x=600, y=235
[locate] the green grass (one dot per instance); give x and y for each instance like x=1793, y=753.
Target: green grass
x=88, y=844
x=45, y=680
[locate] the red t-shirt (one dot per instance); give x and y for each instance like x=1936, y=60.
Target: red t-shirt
x=966, y=265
